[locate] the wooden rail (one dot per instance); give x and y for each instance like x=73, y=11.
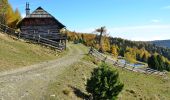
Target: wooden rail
x=32, y=37
x=104, y=58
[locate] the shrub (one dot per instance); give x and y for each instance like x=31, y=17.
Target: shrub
x=66, y=92
x=104, y=83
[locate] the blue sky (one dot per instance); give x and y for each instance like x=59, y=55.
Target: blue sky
x=130, y=19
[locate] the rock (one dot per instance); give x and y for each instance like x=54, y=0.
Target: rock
x=53, y=95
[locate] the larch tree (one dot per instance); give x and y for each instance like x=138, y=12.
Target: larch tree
x=101, y=30
x=114, y=51
x=7, y=15
x=17, y=14
x=3, y=10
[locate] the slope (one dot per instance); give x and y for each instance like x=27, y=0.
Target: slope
x=30, y=83
x=71, y=84
x=15, y=53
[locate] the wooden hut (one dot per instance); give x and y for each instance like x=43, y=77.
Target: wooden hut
x=40, y=22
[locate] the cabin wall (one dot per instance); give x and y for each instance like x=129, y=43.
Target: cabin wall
x=45, y=27
x=41, y=30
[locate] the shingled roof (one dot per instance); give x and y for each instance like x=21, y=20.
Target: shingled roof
x=40, y=13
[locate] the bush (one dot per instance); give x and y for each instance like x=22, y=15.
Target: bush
x=104, y=83
x=66, y=92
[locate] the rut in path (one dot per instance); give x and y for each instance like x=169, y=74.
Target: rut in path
x=29, y=83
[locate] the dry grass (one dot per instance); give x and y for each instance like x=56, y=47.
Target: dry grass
x=137, y=86
x=144, y=87
x=70, y=85
x=16, y=53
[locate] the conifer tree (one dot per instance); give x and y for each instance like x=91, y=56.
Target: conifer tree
x=158, y=62
x=104, y=83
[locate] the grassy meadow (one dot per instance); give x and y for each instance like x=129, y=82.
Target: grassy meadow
x=144, y=87
x=70, y=85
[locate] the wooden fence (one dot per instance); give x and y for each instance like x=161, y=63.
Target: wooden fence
x=32, y=37
x=106, y=59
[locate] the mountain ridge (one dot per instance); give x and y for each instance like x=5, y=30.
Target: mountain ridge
x=162, y=43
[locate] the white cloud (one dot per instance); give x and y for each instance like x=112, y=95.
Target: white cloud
x=155, y=21
x=137, y=33
x=142, y=33
x=166, y=7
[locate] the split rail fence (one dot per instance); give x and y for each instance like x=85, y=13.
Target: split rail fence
x=106, y=59
x=32, y=37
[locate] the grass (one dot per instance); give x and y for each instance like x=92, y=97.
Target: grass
x=144, y=87
x=70, y=85
x=137, y=86
x=17, y=53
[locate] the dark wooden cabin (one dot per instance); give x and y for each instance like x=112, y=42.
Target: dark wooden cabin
x=40, y=22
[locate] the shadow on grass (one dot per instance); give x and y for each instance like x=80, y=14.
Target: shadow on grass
x=79, y=93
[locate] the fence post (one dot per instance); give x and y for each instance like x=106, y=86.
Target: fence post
x=38, y=38
x=65, y=44
x=91, y=50
x=5, y=29
x=19, y=35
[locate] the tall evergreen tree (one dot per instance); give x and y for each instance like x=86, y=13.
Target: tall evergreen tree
x=161, y=63
x=158, y=62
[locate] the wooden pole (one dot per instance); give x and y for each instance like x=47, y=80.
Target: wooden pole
x=101, y=30
x=38, y=38
x=5, y=29
x=65, y=44
x=100, y=37
x=19, y=35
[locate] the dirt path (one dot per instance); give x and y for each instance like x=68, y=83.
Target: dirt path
x=30, y=83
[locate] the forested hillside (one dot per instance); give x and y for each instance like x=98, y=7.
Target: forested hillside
x=8, y=15
x=151, y=48
x=133, y=51
x=163, y=43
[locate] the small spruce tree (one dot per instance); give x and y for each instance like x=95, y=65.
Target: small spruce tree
x=104, y=83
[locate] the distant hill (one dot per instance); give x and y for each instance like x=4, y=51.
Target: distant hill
x=162, y=43
x=149, y=46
